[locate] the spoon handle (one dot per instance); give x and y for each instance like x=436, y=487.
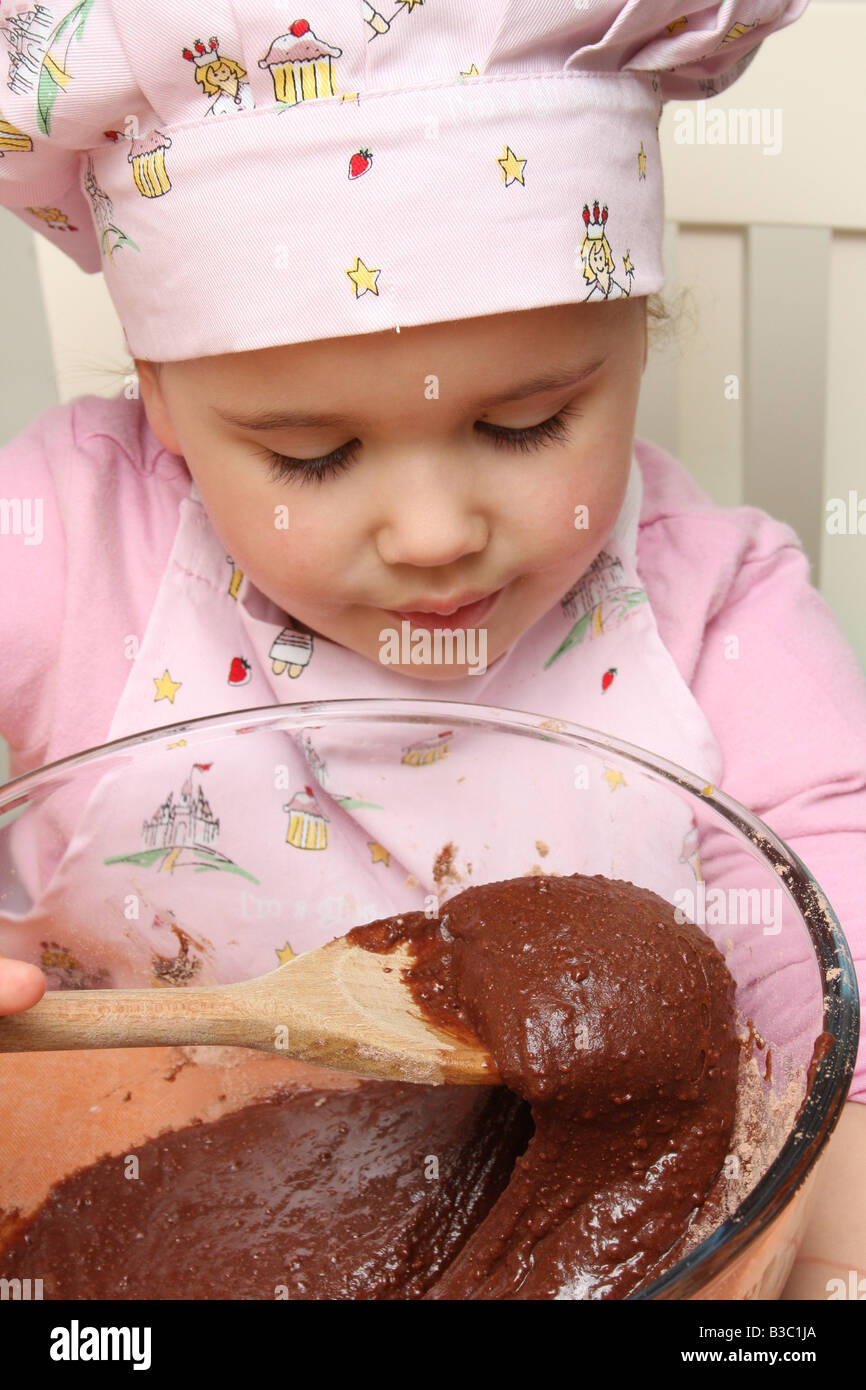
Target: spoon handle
x=90, y=1018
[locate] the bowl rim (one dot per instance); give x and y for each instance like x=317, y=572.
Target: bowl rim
x=830, y=1076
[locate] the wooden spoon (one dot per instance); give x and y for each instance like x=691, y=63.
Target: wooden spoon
x=339, y=1006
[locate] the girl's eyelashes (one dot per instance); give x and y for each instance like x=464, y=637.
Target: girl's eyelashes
x=534, y=435
x=311, y=470
x=318, y=469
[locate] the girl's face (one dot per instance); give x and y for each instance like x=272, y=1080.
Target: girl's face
x=415, y=470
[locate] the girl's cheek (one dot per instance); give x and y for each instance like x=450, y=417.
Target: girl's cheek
x=565, y=511
x=301, y=543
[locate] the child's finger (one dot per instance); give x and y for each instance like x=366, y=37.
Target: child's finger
x=21, y=985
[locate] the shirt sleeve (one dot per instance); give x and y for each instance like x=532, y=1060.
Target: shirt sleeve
x=786, y=698
x=89, y=503
x=32, y=583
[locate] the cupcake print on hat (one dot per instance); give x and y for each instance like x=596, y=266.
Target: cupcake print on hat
x=147, y=157
x=301, y=65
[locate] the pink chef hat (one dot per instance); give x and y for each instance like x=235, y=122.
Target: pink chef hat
x=245, y=182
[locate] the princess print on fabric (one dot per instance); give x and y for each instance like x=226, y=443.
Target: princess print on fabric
x=221, y=78
x=597, y=258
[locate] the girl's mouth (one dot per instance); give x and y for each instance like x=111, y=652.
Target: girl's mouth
x=467, y=616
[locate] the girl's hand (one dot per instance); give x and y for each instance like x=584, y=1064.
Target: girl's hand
x=21, y=985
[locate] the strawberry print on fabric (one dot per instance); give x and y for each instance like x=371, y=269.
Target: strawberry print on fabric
x=360, y=163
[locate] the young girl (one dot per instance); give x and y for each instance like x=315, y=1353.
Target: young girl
x=388, y=302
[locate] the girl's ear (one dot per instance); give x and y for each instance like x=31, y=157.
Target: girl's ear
x=155, y=407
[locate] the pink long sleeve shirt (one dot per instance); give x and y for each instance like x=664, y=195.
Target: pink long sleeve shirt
x=81, y=561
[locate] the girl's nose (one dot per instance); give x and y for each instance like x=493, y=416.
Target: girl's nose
x=429, y=519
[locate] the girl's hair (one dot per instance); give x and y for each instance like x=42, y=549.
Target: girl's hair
x=664, y=320
x=665, y=317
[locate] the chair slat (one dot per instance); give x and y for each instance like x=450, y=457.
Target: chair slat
x=843, y=557
x=786, y=336
x=712, y=368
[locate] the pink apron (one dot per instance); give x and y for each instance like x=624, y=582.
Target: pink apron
x=190, y=868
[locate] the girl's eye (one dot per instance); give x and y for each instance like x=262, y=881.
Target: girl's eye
x=534, y=436
x=316, y=470
x=312, y=470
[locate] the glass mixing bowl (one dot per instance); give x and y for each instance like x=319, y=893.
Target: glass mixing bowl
x=95, y=845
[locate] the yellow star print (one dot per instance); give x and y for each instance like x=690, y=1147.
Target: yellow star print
x=627, y=263
x=410, y=4
x=285, y=954
x=641, y=162
x=677, y=24
x=473, y=72
x=181, y=743
x=364, y=278
x=512, y=167
x=615, y=779
x=166, y=688
x=379, y=852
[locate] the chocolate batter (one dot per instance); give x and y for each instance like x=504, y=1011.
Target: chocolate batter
x=606, y=1016
x=616, y=1023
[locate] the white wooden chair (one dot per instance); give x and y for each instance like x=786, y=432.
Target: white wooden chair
x=760, y=395
x=771, y=251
